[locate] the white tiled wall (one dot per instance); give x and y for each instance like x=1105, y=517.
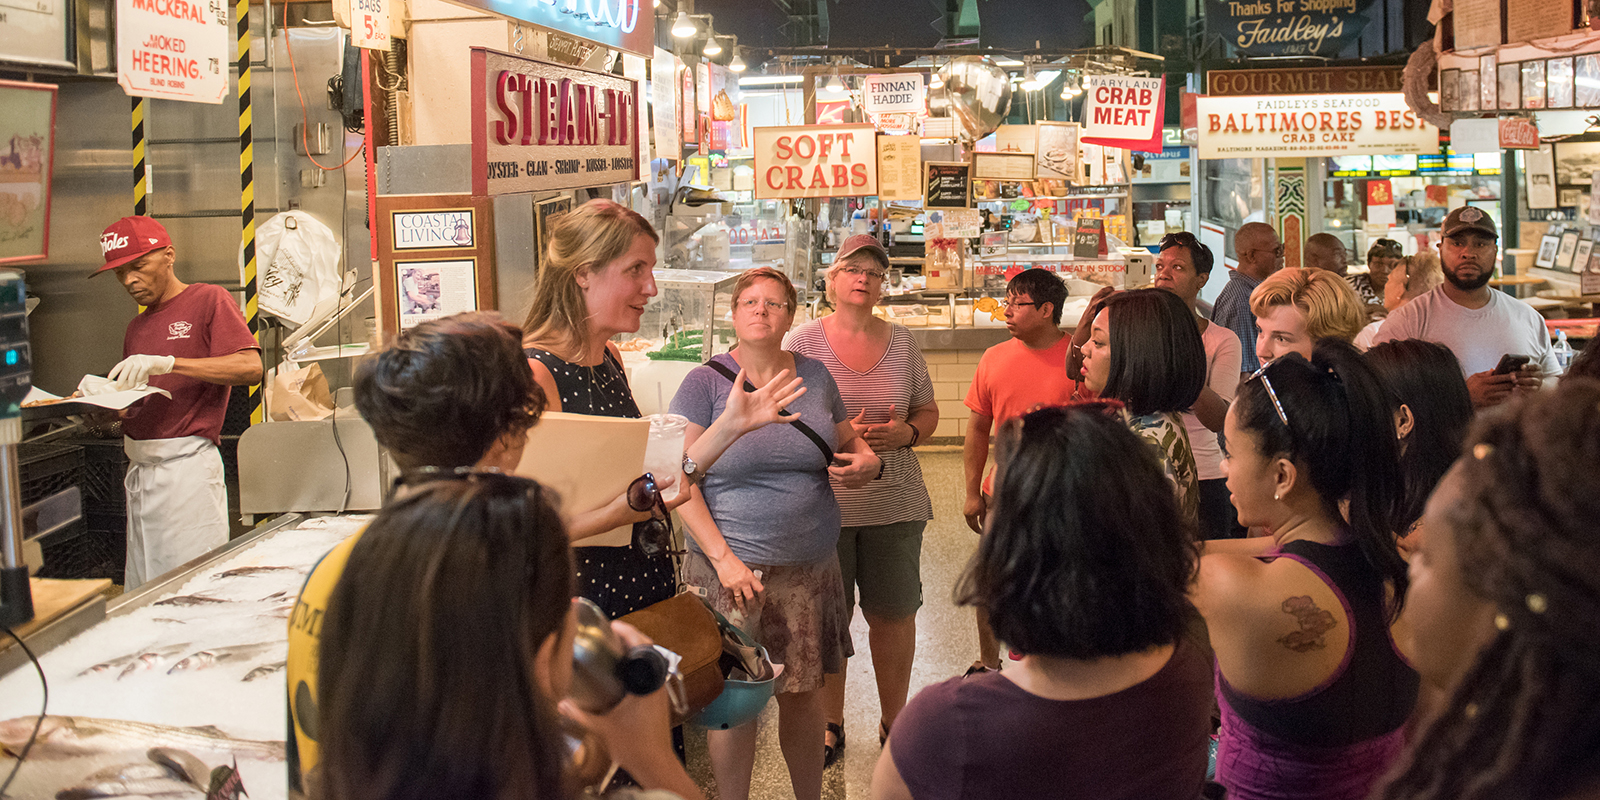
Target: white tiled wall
x=952, y=372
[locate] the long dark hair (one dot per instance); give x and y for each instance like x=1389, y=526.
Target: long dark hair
x=1158, y=361
x=1086, y=553
x=1426, y=378
x=1341, y=432
x=425, y=680
x=1524, y=722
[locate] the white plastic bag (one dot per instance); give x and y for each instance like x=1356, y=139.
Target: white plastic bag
x=297, y=264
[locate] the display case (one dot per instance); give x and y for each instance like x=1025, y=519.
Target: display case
x=689, y=319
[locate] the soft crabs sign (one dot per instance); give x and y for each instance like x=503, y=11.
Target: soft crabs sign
x=1295, y=125
x=816, y=161
x=539, y=126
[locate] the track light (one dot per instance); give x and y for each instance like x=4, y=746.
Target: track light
x=683, y=27
x=937, y=82
x=712, y=46
x=737, y=64
x=835, y=85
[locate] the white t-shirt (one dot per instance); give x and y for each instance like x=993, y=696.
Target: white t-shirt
x=1478, y=337
x=1223, y=355
x=1368, y=335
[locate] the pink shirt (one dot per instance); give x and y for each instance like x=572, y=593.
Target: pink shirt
x=203, y=321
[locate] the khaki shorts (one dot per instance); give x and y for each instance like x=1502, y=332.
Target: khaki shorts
x=885, y=563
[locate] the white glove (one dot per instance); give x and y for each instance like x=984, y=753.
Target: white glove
x=135, y=371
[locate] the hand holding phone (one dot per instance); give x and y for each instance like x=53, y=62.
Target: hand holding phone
x=1511, y=362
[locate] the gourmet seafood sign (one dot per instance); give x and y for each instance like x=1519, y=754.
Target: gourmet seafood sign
x=538, y=126
x=173, y=49
x=1287, y=27
x=1295, y=125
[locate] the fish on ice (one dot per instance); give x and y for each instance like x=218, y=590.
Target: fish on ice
x=212, y=656
x=62, y=737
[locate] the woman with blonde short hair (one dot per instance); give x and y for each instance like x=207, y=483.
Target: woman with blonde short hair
x=1295, y=307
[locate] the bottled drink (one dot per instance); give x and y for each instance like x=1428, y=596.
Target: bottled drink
x=1562, y=349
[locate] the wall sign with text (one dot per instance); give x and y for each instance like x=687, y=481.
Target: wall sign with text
x=174, y=49
x=1123, y=111
x=946, y=184
x=624, y=25
x=890, y=94
x=1311, y=125
x=538, y=126
x=1287, y=27
x=815, y=161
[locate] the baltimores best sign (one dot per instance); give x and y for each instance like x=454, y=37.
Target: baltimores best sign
x=538, y=126
x=816, y=161
x=1311, y=125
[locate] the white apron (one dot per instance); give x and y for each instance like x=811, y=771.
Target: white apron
x=177, y=504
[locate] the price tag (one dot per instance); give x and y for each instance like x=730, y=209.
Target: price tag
x=369, y=24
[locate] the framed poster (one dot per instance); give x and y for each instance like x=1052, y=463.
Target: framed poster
x=1449, y=90
x=435, y=288
x=946, y=184
x=1558, y=82
x=1567, y=197
x=1488, y=94
x=1566, y=250
x=27, y=158
x=1586, y=81
x=1540, y=169
x=1576, y=163
x=1580, y=261
x=1533, y=84
x=545, y=213
x=433, y=229
x=435, y=257
x=1510, y=86
x=1547, y=251
x=1468, y=83
x=1056, y=155
x=1002, y=166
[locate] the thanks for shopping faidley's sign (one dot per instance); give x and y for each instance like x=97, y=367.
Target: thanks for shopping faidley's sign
x=1311, y=125
x=538, y=126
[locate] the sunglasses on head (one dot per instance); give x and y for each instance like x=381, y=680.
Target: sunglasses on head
x=1272, y=394
x=654, y=536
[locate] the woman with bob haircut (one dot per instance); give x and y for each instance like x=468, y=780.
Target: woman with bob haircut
x=1145, y=351
x=1295, y=307
x=1433, y=413
x=448, y=647
x=1313, y=695
x=1504, y=605
x=1083, y=570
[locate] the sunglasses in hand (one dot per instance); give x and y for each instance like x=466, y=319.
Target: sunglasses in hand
x=654, y=536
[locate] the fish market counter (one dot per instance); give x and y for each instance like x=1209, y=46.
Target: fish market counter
x=184, y=672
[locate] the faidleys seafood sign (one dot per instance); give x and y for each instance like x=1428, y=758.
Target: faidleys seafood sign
x=539, y=126
x=1294, y=125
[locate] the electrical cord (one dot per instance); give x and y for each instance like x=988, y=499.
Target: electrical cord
x=305, y=115
x=43, y=709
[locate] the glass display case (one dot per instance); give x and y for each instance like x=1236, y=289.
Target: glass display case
x=689, y=319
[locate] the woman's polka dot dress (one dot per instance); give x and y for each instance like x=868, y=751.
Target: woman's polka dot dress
x=620, y=580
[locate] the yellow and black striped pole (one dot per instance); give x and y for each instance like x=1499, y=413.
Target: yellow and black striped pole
x=247, y=190
x=140, y=185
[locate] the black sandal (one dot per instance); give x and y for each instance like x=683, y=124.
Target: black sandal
x=832, y=752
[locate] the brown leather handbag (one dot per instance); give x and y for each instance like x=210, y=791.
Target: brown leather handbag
x=684, y=624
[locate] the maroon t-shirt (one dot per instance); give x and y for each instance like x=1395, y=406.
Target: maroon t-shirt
x=203, y=321
x=985, y=737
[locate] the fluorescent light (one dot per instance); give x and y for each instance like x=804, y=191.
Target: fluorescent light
x=1007, y=62
x=1046, y=77
x=712, y=47
x=770, y=80
x=737, y=64
x=683, y=27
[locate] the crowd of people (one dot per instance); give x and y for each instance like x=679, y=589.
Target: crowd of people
x=1346, y=568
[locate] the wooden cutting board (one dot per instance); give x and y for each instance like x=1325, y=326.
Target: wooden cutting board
x=53, y=599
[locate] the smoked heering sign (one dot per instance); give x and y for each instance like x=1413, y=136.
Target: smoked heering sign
x=1287, y=27
x=538, y=126
x=815, y=161
x=174, y=49
x=1311, y=125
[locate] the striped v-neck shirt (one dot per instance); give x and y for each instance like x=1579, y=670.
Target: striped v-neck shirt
x=900, y=378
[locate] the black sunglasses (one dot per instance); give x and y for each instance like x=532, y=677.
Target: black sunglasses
x=654, y=536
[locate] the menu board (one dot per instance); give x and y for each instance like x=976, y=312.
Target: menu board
x=1003, y=166
x=1527, y=20
x=947, y=185
x=899, y=168
x=1477, y=23
x=1086, y=238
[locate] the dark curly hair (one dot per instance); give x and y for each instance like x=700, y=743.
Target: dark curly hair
x=444, y=391
x=1524, y=722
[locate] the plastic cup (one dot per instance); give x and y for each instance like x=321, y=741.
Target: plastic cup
x=663, y=450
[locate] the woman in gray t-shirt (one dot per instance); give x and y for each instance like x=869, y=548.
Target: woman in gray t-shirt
x=764, y=528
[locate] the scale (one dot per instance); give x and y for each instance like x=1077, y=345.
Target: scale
x=16, y=378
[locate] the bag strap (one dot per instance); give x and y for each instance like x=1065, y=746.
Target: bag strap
x=827, y=452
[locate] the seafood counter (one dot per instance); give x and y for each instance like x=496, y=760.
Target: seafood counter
x=174, y=683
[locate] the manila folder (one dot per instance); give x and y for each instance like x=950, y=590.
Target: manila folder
x=588, y=461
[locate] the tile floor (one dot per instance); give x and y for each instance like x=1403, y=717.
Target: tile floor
x=947, y=644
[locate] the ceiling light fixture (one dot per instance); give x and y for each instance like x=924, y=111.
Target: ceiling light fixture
x=737, y=64
x=835, y=85
x=683, y=27
x=713, y=47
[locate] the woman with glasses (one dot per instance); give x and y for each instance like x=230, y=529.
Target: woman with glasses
x=1145, y=351
x=448, y=650
x=889, y=397
x=596, y=275
x=764, y=528
x=1084, y=571
x=1313, y=694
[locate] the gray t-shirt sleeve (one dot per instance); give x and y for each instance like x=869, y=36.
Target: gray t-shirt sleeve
x=1400, y=324
x=696, y=397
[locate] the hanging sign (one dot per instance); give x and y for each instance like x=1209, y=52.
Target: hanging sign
x=894, y=94
x=369, y=24
x=1287, y=27
x=539, y=126
x=1124, y=111
x=1518, y=133
x=618, y=24
x=899, y=168
x=1304, y=80
x=1311, y=125
x=816, y=161
x=664, y=103
x=1380, y=203
x=174, y=49
x=947, y=184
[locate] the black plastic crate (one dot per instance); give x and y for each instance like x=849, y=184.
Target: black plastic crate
x=104, y=467
x=44, y=469
x=89, y=554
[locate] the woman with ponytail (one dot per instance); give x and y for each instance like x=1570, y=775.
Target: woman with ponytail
x=1312, y=693
x=1504, y=606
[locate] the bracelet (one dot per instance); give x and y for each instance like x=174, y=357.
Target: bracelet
x=916, y=434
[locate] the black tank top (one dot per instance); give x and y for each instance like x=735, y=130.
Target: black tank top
x=600, y=391
x=1371, y=694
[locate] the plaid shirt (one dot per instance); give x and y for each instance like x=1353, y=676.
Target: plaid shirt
x=1232, y=311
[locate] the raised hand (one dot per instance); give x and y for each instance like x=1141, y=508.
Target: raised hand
x=748, y=411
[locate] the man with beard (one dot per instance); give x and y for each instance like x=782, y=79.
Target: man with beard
x=1477, y=323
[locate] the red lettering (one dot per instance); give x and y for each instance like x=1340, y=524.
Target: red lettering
x=818, y=180
x=824, y=143
x=805, y=147
x=782, y=149
x=566, y=113
x=525, y=85
x=1144, y=97
x=841, y=176
x=770, y=183
x=844, y=143
x=1383, y=121
x=1104, y=94
x=795, y=175
x=1327, y=120
x=1344, y=120
x=1355, y=120
x=858, y=175
x=1215, y=122
x=1103, y=116
x=588, y=116
x=505, y=129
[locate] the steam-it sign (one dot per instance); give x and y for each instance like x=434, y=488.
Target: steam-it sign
x=815, y=161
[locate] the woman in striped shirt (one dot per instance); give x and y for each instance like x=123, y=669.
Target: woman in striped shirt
x=889, y=397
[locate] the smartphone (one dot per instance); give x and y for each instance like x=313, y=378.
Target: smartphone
x=1511, y=362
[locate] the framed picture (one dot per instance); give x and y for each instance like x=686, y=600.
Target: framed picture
x=1532, y=84
x=1586, y=81
x=1056, y=155
x=1449, y=90
x=27, y=158
x=1580, y=261
x=1510, y=86
x=1469, y=89
x=946, y=184
x=545, y=213
x=1568, y=197
x=1003, y=166
x=1540, y=171
x=435, y=288
x=1547, y=251
x=1488, y=94
x=1566, y=250
x=1576, y=163
x=1558, y=82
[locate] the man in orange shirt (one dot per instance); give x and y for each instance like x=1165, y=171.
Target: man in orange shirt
x=1014, y=377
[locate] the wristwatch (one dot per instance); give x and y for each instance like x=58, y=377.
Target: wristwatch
x=691, y=470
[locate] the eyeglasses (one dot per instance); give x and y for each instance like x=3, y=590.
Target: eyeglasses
x=1009, y=303
x=875, y=274
x=752, y=303
x=1277, y=251
x=653, y=536
x=1271, y=393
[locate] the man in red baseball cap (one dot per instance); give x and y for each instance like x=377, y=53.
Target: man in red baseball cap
x=192, y=341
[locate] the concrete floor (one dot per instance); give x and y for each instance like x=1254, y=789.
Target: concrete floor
x=947, y=643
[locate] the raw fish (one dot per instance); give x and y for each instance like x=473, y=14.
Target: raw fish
x=66, y=737
x=152, y=658
x=264, y=670
x=189, y=600
x=213, y=656
x=240, y=572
